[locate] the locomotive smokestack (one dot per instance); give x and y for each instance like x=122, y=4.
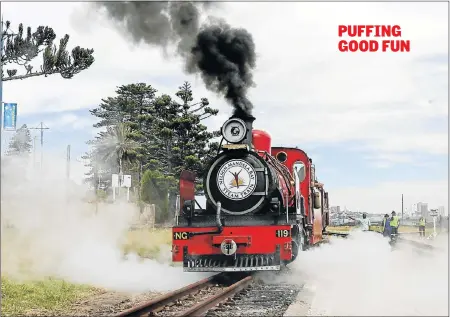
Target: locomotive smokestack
x=249, y=123
x=248, y=119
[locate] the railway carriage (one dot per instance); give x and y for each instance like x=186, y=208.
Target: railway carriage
x=263, y=207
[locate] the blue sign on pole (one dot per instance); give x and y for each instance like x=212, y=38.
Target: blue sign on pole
x=9, y=116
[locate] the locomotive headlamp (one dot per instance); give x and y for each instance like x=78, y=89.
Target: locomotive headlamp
x=234, y=130
x=275, y=205
x=188, y=208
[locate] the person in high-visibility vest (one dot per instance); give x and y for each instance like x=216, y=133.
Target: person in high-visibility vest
x=386, y=229
x=422, y=224
x=364, y=222
x=394, y=223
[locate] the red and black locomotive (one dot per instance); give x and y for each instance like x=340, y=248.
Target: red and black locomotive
x=264, y=206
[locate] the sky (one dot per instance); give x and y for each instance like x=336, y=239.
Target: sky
x=375, y=124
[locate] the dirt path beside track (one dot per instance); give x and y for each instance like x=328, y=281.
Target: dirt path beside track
x=107, y=303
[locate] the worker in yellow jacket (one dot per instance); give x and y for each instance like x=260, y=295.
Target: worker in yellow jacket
x=394, y=223
x=422, y=224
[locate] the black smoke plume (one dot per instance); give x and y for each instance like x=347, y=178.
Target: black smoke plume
x=224, y=56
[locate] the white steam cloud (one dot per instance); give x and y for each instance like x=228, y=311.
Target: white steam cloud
x=362, y=276
x=48, y=229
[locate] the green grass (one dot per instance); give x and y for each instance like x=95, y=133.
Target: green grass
x=33, y=295
x=147, y=242
x=45, y=297
x=407, y=229
x=402, y=229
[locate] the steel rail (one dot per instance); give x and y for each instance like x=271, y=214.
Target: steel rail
x=161, y=301
x=202, y=307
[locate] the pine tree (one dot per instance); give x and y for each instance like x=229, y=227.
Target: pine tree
x=22, y=51
x=193, y=146
x=132, y=105
x=179, y=139
x=167, y=137
x=20, y=143
x=154, y=189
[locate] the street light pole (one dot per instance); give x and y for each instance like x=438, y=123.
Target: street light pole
x=41, y=127
x=68, y=162
x=34, y=151
x=402, y=206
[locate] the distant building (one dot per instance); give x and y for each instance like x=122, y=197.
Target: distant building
x=335, y=209
x=422, y=209
x=441, y=211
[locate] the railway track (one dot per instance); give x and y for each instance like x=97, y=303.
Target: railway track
x=227, y=294
x=401, y=240
x=416, y=244
x=419, y=247
x=194, y=299
x=259, y=299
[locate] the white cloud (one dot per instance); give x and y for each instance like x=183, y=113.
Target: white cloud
x=70, y=121
x=324, y=95
x=328, y=96
x=386, y=160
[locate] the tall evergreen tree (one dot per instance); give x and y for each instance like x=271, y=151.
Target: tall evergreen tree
x=20, y=143
x=154, y=189
x=179, y=139
x=168, y=136
x=193, y=147
x=132, y=105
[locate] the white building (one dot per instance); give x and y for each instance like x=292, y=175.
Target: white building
x=422, y=209
x=335, y=209
x=441, y=211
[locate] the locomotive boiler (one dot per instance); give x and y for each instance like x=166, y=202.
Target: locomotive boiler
x=263, y=207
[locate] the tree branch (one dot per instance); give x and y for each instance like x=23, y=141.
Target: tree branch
x=20, y=51
x=205, y=117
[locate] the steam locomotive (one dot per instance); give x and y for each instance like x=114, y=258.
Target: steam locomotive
x=264, y=206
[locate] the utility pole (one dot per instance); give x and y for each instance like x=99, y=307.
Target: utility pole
x=402, y=206
x=41, y=127
x=68, y=162
x=34, y=151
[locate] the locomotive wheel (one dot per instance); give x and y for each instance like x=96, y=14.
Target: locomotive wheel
x=298, y=242
x=302, y=239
